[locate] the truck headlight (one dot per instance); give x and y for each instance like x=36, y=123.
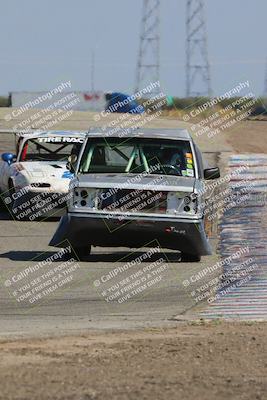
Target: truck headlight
x=181, y=203
x=84, y=197
x=191, y=203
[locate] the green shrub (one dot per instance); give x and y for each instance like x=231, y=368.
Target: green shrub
x=4, y=101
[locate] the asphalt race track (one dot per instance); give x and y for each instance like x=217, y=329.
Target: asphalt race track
x=81, y=305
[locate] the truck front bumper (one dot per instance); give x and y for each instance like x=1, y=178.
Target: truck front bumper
x=183, y=234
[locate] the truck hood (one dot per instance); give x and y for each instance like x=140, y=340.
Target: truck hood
x=137, y=181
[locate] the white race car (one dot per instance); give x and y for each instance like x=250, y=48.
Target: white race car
x=35, y=181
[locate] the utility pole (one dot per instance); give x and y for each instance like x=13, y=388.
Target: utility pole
x=93, y=72
x=198, y=80
x=148, y=65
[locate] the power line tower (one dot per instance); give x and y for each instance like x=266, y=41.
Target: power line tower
x=198, y=81
x=149, y=50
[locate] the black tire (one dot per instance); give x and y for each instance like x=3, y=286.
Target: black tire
x=2, y=203
x=11, y=189
x=185, y=257
x=81, y=253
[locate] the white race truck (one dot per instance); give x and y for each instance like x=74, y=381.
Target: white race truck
x=134, y=188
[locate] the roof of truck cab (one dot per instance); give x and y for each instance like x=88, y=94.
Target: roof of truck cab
x=159, y=133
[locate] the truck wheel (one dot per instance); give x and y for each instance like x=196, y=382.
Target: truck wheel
x=81, y=253
x=190, y=257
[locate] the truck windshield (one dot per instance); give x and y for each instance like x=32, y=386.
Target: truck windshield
x=154, y=156
x=50, y=149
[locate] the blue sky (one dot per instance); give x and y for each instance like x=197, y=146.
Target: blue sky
x=46, y=42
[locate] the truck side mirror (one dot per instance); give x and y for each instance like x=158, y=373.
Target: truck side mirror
x=212, y=173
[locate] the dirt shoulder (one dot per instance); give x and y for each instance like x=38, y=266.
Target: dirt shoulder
x=248, y=137
x=193, y=361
